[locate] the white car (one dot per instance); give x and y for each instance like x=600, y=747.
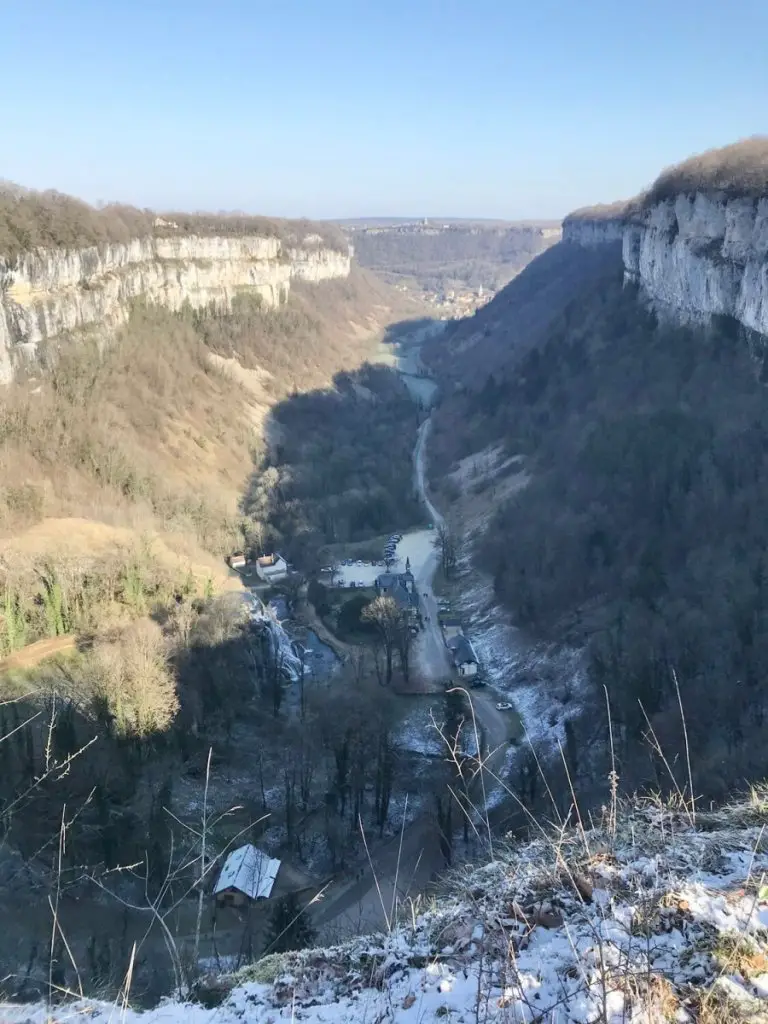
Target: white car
x=504, y=706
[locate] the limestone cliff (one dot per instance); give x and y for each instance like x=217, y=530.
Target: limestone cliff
x=697, y=241
x=595, y=225
x=48, y=291
x=702, y=255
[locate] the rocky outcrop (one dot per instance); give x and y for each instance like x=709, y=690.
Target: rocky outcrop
x=599, y=225
x=695, y=255
x=703, y=255
x=47, y=292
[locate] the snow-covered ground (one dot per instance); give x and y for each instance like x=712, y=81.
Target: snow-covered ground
x=652, y=916
x=514, y=667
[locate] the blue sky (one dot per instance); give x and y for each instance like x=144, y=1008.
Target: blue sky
x=492, y=108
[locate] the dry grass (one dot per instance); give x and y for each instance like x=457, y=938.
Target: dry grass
x=740, y=169
x=50, y=219
x=150, y=442
x=601, y=211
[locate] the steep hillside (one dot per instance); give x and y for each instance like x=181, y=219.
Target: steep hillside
x=65, y=266
x=152, y=420
x=654, y=916
x=635, y=404
x=490, y=344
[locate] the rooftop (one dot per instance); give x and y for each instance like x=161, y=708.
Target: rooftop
x=462, y=649
x=250, y=871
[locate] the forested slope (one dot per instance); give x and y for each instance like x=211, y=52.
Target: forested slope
x=641, y=533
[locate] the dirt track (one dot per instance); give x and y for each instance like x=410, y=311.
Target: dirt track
x=33, y=654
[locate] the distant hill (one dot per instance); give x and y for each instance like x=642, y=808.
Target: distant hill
x=444, y=254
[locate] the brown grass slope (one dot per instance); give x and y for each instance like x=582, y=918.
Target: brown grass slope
x=140, y=451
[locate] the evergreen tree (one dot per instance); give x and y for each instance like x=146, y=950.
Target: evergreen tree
x=290, y=927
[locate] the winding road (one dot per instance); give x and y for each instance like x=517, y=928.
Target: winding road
x=495, y=724
x=410, y=861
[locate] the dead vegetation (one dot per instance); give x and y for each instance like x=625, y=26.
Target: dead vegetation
x=601, y=211
x=138, y=453
x=740, y=169
x=49, y=219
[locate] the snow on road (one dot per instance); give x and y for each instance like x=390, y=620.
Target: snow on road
x=543, y=684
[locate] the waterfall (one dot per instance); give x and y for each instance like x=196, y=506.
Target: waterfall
x=281, y=645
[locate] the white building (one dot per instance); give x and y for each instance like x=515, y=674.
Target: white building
x=271, y=568
x=248, y=874
x=464, y=657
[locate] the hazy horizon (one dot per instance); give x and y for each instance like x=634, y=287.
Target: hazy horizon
x=493, y=110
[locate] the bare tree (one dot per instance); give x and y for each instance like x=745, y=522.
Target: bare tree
x=448, y=555
x=134, y=681
x=384, y=614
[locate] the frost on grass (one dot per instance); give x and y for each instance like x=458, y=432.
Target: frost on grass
x=544, y=683
x=651, y=917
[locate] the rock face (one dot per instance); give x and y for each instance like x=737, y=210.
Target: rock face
x=589, y=232
x=47, y=292
x=696, y=255
x=703, y=255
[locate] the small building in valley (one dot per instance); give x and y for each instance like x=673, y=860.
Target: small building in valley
x=451, y=627
x=463, y=655
x=248, y=874
x=401, y=587
x=237, y=560
x=271, y=568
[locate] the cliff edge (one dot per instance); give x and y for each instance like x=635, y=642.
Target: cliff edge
x=697, y=240
x=658, y=914
x=48, y=290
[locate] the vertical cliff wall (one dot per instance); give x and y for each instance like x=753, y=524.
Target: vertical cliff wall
x=47, y=292
x=703, y=255
x=697, y=241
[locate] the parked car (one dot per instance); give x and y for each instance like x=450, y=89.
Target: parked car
x=352, y=583
x=361, y=583
x=503, y=706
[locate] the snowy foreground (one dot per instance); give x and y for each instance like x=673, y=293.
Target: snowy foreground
x=653, y=919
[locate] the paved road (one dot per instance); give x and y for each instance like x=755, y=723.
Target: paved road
x=434, y=662
x=494, y=723
x=407, y=863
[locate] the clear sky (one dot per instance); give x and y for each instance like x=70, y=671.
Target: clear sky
x=335, y=108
